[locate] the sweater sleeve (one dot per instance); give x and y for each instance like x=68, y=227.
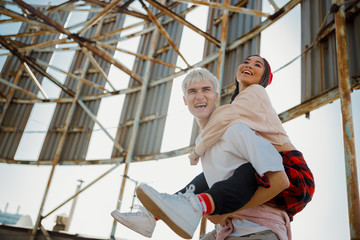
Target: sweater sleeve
x=246, y=107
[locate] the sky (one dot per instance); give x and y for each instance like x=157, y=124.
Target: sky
x=318, y=137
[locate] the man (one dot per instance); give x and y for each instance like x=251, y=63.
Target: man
x=200, y=95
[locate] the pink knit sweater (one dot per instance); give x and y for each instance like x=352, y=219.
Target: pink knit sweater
x=251, y=107
x=275, y=219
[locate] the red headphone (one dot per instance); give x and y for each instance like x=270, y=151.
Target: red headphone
x=270, y=75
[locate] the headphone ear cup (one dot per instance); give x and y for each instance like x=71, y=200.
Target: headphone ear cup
x=270, y=75
x=270, y=78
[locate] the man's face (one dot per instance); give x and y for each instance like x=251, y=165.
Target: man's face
x=201, y=98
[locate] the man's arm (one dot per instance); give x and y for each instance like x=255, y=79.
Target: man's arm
x=278, y=182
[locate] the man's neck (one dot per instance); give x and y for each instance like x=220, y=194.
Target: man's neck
x=202, y=123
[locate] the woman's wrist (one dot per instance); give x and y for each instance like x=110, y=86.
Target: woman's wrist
x=196, y=153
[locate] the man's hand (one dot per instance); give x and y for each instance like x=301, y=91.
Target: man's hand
x=194, y=159
x=219, y=219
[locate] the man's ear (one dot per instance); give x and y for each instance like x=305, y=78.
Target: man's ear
x=184, y=98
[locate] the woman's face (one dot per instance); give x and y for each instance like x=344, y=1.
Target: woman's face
x=250, y=71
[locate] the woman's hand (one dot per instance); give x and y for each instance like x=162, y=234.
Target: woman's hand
x=194, y=159
x=226, y=230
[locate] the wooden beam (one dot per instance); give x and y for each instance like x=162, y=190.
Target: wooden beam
x=163, y=32
x=227, y=7
x=84, y=42
x=118, y=9
x=181, y=20
x=34, y=65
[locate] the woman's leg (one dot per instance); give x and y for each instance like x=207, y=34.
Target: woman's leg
x=233, y=193
x=199, y=182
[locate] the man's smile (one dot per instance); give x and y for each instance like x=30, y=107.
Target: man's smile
x=200, y=105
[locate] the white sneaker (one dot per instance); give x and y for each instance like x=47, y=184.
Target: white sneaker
x=142, y=222
x=181, y=212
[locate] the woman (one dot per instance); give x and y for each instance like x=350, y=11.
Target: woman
x=251, y=105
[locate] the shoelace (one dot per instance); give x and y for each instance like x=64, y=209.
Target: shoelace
x=142, y=211
x=189, y=191
x=191, y=197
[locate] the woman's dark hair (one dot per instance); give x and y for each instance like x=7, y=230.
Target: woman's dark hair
x=263, y=82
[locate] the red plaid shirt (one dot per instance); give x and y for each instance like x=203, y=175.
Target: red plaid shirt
x=302, y=186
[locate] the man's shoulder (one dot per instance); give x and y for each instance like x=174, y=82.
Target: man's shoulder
x=236, y=128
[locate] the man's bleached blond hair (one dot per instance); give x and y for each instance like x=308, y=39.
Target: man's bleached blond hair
x=198, y=75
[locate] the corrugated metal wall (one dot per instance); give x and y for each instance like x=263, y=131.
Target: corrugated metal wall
x=17, y=115
x=318, y=74
x=80, y=128
x=353, y=40
x=318, y=66
x=150, y=132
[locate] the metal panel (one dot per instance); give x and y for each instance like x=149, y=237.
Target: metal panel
x=17, y=115
x=239, y=24
x=318, y=66
x=78, y=136
x=353, y=39
x=157, y=99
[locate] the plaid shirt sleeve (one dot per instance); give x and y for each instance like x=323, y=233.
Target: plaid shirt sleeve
x=302, y=185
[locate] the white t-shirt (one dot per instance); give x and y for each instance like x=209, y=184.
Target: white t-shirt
x=232, y=150
x=237, y=146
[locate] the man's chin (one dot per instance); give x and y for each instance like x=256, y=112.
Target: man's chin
x=202, y=114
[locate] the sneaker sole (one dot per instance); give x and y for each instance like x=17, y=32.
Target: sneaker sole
x=122, y=221
x=152, y=207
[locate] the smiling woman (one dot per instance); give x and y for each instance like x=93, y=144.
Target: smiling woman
x=252, y=106
x=259, y=70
